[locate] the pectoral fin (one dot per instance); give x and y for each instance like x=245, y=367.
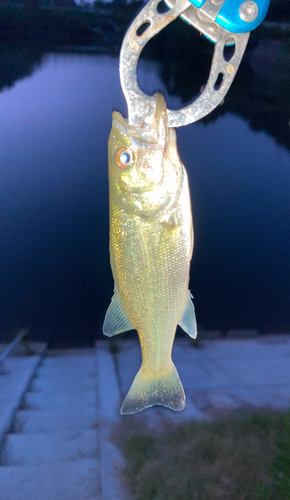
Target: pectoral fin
x=188, y=320
x=116, y=320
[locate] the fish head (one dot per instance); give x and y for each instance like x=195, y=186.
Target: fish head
x=145, y=170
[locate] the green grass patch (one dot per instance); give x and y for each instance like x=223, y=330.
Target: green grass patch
x=240, y=457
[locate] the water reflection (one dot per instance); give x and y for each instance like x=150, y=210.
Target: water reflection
x=18, y=61
x=54, y=261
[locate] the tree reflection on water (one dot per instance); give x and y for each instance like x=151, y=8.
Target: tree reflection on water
x=259, y=93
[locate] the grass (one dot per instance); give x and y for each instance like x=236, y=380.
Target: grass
x=240, y=457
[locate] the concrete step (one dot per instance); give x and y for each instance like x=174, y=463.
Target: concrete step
x=66, y=371
x=60, y=400
x=43, y=448
x=63, y=384
x=31, y=421
x=69, y=361
x=14, y=384
x=65, y=481
x=19, y=373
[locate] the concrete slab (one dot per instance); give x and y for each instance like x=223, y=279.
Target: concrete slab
x=3, y=382
x=66, y=481
x=30, y=421
x=267, y=346
x=20, y=350
x=128, y=362
x=71, y=351
x=208, y=401
x=221, y=374
x=69, y=361
x=67, y=384
x=18, y=370
x=44, y=448
x=218, y=376
x=213, y=403
x=108, y=388
x=14, y=385
x=272, y=397
x=65, y=372
x=60, y=400
x=112, y=460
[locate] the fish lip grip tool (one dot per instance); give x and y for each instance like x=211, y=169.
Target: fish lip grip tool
x=225, y=22
x=235, y=16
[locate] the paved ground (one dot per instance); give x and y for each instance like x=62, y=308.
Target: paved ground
x=57, y=413
x=220, y=375
x=15, y=376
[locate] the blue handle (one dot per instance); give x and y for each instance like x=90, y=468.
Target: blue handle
x=197, y=3
x=229, y=15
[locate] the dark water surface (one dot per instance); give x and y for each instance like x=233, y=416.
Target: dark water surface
x=54, y=261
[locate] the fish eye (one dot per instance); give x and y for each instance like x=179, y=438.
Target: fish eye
x=123, y=158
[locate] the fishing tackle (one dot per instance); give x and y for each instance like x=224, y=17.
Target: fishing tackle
x=225, y=22
x=151, y=227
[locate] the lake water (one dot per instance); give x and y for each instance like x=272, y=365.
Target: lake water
x=54, y=260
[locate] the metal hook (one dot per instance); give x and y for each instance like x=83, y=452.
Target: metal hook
x=150, y=22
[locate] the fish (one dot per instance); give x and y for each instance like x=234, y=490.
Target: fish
x=151, y=244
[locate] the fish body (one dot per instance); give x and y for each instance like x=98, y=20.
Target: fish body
x=151, y=243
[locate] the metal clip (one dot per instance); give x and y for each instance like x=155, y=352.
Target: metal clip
x=236, y=16
x=148, y=23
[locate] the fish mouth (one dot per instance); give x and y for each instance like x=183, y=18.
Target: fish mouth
x=145, y=133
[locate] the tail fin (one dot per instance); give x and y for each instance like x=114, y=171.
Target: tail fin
x=164, y=389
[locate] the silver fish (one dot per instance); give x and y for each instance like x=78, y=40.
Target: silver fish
x=151, y=243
